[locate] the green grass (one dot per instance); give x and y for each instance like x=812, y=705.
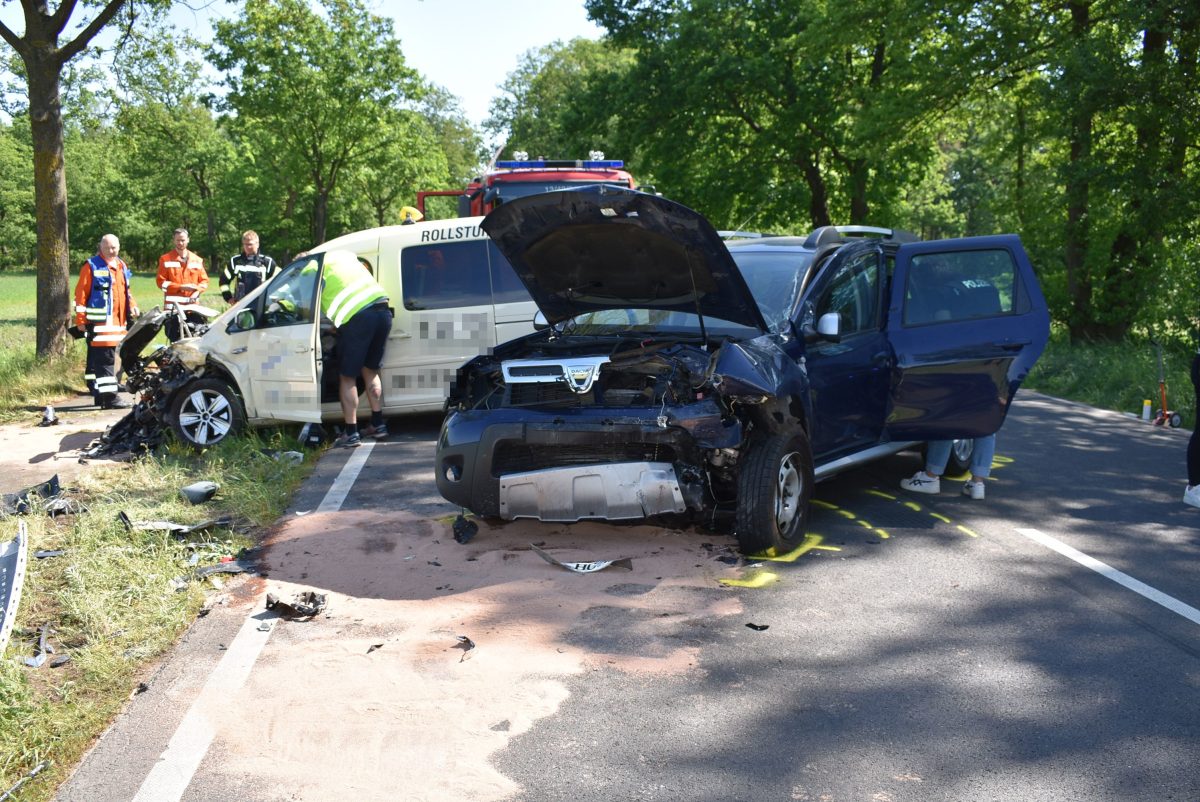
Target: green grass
x=110, y=599
x=1116, y=376
x=25, y=383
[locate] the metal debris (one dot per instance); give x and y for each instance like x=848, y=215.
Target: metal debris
x=48, y=417
x=303, y=605
x=466, y=644
x=11, y=792
x=43, y=648
x=585, y=568
x=199, y=492
x=22, y=503
x=42, y=554
x=229, y=567
x=171, y=526
x=13, y=557
x=464, y=530
x=758, y=627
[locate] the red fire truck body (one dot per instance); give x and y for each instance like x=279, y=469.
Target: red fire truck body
x=516, y=179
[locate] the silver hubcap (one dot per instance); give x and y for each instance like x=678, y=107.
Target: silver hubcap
x=963, y=449
x=787, y=491
x=206, y=417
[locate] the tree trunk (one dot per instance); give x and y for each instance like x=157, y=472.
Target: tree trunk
x=859, y=211
x=1077, y=188
x=320, y=216
x=50, y=202
x=818, y=196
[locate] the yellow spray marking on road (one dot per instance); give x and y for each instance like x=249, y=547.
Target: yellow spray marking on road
x=881, y=494
x=940, y=517
x=757, y=579
x=810, y=543
x=912, y=505
x=816, y=502
x=851, y=516
x=846, y=514
x=962, y=528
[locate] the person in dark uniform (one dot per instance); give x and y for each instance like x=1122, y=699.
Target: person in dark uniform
x=246, y=271
x=1191, y=494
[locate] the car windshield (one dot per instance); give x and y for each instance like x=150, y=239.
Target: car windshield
x=775, y=279
x=657, y=321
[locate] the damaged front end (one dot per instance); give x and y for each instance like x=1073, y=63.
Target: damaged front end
x=550, y=428
x=154, y=380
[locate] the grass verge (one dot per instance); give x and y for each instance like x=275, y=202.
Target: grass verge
x=111, y=600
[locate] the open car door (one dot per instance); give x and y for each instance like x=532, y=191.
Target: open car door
x=967, y=321
x=282, y=346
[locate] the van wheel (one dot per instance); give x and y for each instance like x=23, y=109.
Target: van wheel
x=205, y=412
x=774, y=488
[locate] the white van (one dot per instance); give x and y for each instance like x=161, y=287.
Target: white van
x=454, y=296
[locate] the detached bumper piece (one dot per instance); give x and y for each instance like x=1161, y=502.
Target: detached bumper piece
x=611, y=492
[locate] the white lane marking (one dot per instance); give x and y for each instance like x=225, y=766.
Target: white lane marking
x=176, y=766
x=1105, y=570
x=345, y=480
x=173, y=772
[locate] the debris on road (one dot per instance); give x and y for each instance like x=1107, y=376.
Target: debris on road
x=758, y=627
x=464, y=643
x=48, y=417
x=373, y=647
x=199, y=492
x=585, y=568
x=229, y=567
x=464, y=530
x=13, y=556
x=42, y=554
x=22, y=503
x=43, y=648
x=303, y=605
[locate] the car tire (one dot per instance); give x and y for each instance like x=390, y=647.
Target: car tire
x=774, y=488
x=961, y=452
x=205, y=412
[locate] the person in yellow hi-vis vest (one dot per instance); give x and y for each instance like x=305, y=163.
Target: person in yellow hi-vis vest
x=362, y=317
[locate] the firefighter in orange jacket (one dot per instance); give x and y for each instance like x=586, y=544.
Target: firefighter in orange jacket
x=103, y=305
x=181, y=277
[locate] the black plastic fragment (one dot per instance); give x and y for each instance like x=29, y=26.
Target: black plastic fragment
x=464, y=530
x=303, y=605
x=758, y=627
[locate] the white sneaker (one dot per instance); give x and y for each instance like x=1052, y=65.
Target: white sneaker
x=922, y=482
x=975, y=490
x=1191, y=495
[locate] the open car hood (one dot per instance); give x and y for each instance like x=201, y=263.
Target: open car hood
x=141, y=333
x=602, y=247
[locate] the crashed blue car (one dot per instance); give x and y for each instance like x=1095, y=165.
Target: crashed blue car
x=679, y=374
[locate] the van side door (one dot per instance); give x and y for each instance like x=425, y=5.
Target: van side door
x=967, y=321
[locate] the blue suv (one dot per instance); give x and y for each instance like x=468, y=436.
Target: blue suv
x=676, y=373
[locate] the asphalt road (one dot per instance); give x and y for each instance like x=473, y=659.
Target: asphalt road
x=1043, y=644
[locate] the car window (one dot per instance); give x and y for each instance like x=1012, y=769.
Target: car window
x=962, y=285
x=445, y=275
x=774, y=279
x=506, y=287
x=853, y=292
x=290, y=298
x=654, y=321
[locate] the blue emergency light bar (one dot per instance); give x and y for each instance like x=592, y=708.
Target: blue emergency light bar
x=578, y=164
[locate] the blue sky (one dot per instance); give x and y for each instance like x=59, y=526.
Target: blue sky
x=465, y=46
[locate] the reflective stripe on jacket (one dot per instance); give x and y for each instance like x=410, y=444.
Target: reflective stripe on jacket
x=103, y=299
x=244, y=273
x=346, y=287
x=174, y=272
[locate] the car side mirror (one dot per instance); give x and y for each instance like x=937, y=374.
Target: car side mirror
x=540, y=323
x=243, y=320
x=829, y=326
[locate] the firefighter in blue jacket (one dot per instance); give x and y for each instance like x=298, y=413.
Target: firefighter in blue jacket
x=246, y=271
x=103, y=306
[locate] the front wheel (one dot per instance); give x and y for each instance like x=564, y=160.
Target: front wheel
x=774, y=488
x=205, y=412
x=961, y=452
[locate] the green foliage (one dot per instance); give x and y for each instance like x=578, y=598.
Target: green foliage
x=17, y=234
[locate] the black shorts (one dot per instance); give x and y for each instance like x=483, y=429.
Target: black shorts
x=362, y=338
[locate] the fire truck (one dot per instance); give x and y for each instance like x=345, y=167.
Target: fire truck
x=504, y=180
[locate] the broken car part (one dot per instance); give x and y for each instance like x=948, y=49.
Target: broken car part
x=303, y=605
x=22, y=503
x=199, y=492
x=584, y=568
x=48, y=417
x=464, y=530
x=11, y=792
x=13, y=558
x=171, y=526
x=43, y=649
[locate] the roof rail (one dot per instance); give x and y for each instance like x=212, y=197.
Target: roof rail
x=826, y=235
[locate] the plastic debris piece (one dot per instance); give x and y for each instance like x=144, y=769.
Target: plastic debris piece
x=312, y=435
x=757, y=627
x=43, y=649
x=303, y=605
x=61, y=660
x=466, y=644
x=171, y=526
x=265, y=626
x=585, y=568
x=21, y=504
x=199, y=492
x=373, y=647
x=11, y=792
x=464, y=530
x=42, y=554
x=48, y=417
x=13, y=558
x=230, y=567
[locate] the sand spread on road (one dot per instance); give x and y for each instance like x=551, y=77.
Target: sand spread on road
x=376, y=699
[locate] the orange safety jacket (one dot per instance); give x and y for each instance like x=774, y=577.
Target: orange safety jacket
x=103, y=299
x=174, y=271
